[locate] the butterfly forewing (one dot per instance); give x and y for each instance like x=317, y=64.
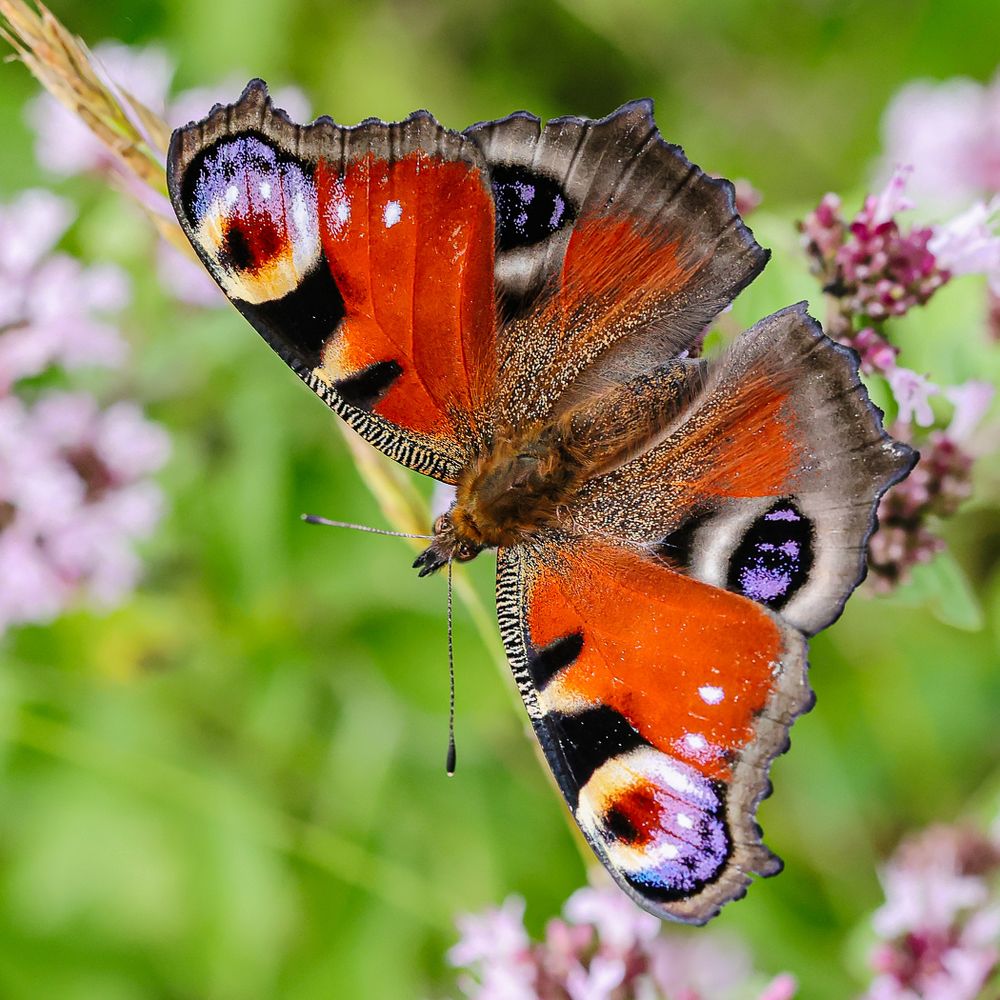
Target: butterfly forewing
x=364, y=256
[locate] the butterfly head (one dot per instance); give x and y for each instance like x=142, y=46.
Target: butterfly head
x=448, y=544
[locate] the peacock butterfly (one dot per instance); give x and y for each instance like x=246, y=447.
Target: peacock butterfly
x=510, y=309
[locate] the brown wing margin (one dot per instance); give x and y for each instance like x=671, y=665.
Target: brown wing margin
x=660, y=703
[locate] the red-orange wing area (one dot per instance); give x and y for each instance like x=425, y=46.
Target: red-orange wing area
x=689, y=666
x=614, y=279
x=410, y=246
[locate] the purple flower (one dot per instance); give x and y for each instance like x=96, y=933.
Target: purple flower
x=938, y=484
x=606, y=948
x=883, y=208
x=968, y=243
x=186, y=279
x=878, y=356
x=619, y=923
x=970, y=400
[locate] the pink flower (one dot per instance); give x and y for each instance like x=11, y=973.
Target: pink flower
x=597, y=982
x=186, y=279
x=971, y=400
x=823, y=229
x=609, y=950
x=497, y=934
x=912, y=393
x=969, y=244
x=950, y=131
x=619, y=923
x=941, y=920
x=883, y=208
x=51, y=305
x=783, y=987
x=878, y=356
x=74, y=499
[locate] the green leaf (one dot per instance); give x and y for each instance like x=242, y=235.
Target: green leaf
x=943, y=587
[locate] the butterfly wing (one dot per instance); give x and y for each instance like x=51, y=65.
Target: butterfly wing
x=659, y=702
x=613, y=252
x=767, y=483
x=363, y=256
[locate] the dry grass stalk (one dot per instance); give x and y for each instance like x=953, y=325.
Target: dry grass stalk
x=62, y=63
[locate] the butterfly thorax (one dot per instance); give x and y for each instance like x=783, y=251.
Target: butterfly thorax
x=524, y=482
x=511, y=491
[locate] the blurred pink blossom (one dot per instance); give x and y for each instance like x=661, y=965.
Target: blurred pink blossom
x=969, y=244
x=950, y=132
x=51, y=304
x=604, y=948
x=878, y=356
x=912, y=392
x=939, y=483
x=878, y=269
x=970, y=400
x=186, y=279
x=939, y=927
x=74, y=499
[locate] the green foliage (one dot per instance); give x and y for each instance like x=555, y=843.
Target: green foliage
x=233, y=788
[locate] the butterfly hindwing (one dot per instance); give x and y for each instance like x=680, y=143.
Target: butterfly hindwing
x=660, y=702
x=363, y=255
x=767, y=483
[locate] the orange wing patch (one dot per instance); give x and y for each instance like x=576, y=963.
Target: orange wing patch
x=689, y=666
x=660, y=702
x=410, y=246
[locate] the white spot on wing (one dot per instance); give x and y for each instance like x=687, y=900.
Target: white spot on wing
x=392, y=213
x=265, y=189
x=232, y=193
x=684, y=821
x=710, y=694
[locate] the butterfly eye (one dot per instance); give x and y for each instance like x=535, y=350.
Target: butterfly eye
x=442, y=525
x=464, y=551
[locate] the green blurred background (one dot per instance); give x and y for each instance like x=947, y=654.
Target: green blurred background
x=233, y=787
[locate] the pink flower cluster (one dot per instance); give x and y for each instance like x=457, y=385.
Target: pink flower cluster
x=951, y=131
x=74, y=487
x=603, y=948
x=875, y=270
x=939, y=482
x=939, y=927
x=66, y=146
x=52, y=309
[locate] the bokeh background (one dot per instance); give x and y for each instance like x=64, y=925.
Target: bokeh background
x=232, y=787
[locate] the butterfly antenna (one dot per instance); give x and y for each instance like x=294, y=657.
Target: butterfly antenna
x=316, y=519
x=450, y=763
